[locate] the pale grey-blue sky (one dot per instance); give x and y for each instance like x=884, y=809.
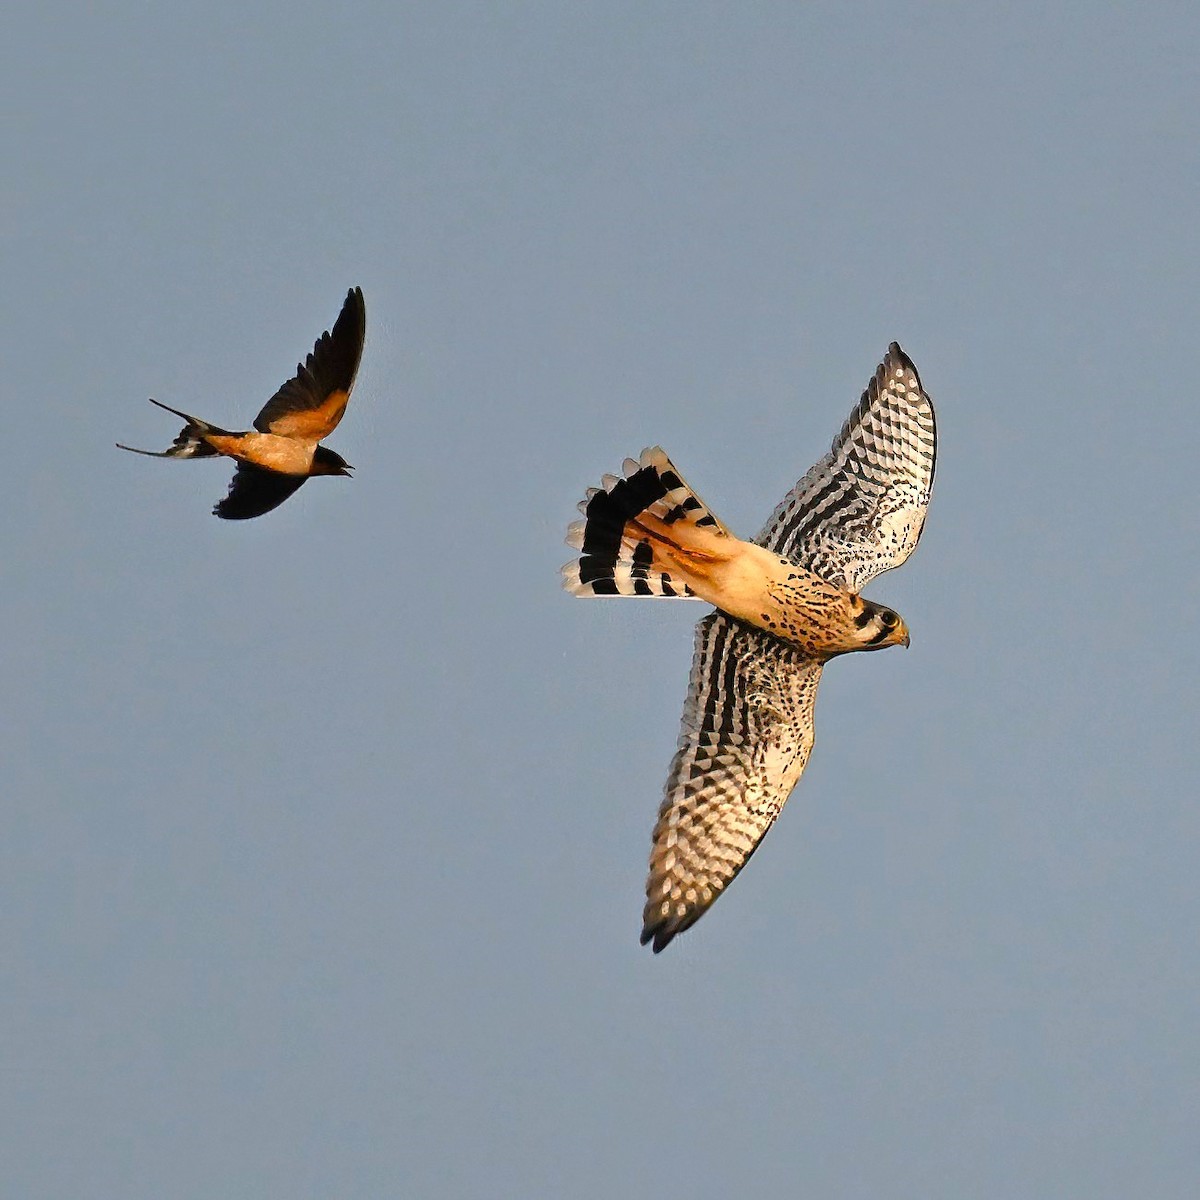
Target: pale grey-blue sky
x=326, y=834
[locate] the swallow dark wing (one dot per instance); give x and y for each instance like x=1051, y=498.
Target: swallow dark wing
x=311, y=403
x=254, y=491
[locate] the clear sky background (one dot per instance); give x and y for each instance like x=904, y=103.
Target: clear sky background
x=325, y=835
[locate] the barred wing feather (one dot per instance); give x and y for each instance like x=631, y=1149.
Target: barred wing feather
x=860, y=510
x=745, y=738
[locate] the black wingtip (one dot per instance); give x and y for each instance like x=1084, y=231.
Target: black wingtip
x=354, y=310
x=659, y=935
x=341, y=347
x=174, y=411
x=897, y=355
x=231, y=516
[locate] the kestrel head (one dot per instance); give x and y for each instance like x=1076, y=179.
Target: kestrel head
x=878, y=627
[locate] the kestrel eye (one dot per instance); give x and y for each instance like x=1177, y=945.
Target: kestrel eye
x=888, y=618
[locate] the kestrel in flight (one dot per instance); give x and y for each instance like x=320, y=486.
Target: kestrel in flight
x=283, y=449
x=787, y=602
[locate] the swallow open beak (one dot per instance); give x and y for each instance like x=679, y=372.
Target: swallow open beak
x=345, y=470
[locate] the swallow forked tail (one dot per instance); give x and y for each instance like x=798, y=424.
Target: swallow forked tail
x=640, y=532
x=191, y=441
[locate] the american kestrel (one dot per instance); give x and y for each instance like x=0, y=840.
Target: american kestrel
x=787, y=602
x=283, y=450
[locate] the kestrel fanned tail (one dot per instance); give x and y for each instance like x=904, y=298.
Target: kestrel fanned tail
x=617, y=556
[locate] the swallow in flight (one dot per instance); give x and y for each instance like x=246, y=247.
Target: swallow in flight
x=283, y=449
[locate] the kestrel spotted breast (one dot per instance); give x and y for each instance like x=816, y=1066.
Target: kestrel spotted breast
x=283, y=449
x=787, y=602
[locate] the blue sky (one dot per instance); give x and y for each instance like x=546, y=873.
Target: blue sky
x=326, y=834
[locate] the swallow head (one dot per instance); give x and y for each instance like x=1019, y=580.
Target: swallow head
x=327, y=462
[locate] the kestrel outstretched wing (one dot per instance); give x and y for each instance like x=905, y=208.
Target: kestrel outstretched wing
x=745, y=738
x=860, y=510
x=254, y=491
x=311, y=403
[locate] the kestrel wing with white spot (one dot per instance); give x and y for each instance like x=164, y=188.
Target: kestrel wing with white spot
x=860, y=510
x=745, y=738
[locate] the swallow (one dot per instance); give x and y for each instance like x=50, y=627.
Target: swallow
x=283, y=449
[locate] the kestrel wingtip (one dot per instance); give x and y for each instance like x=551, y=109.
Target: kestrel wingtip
x=656, y=937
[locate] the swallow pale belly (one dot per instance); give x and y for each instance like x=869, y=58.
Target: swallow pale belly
x=286, y=455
